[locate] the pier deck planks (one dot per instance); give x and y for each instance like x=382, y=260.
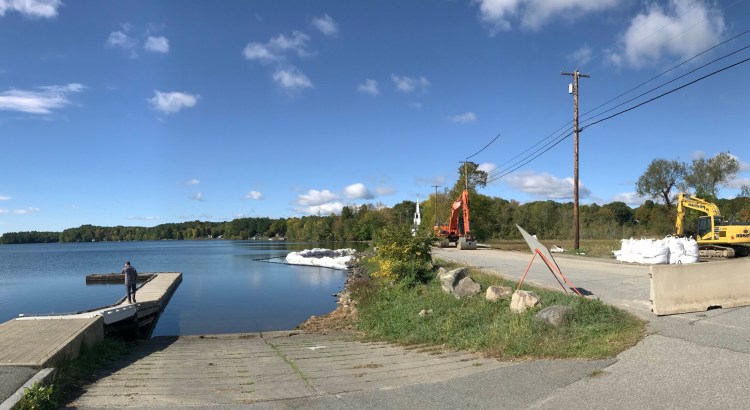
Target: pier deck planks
x=42, y=340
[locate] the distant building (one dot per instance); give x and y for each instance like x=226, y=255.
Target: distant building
x=417, y=219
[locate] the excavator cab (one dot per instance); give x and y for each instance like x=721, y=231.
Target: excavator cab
x=704, y=226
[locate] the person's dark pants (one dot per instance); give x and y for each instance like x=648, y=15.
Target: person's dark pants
x=131, y=289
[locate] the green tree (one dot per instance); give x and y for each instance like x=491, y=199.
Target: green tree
x=706, y=175
x=660, y=179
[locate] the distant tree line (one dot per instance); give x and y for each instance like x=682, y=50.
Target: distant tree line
x=491, y=217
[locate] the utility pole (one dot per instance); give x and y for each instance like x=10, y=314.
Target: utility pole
x=576, y=223
x=434, y=205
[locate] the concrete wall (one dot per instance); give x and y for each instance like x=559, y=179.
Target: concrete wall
x=697, y=286
x=89, y=335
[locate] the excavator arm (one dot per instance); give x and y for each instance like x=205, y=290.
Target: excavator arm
x=693, y=203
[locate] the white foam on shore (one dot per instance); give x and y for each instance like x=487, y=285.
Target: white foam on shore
x=327, y=258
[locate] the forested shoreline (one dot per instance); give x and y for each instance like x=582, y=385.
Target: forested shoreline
x=491, y=218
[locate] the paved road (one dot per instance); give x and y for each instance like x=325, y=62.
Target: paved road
x=690, y=361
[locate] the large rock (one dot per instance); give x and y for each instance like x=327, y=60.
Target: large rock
x=555, y=315
x=522, y=300
x=450, y=279
x=466, y=287
x=495, y=293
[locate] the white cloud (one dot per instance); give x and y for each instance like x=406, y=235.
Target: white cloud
x=193, y=181
x=533, y=14
x=408, y=85
x=276, y=48
x=118, y=39
x=5, y=198
x=323, y=202
x=25, y=211
x=41, y=101
x=144, y=218
x=632, y=199
x=384, y=191
x=486, y=167
x=581, y=57
x=197, y=197
x=464, y=118
x=677, y=28
x=544, y=185
x=31, y=8
x=322, y=209
x=172, y=102
x=369, y=87
x=698, y=154
x=326, y=25
x=290, y=78
x=358, y=191
x=314, y=197
x=254, y=195
x=157, y=44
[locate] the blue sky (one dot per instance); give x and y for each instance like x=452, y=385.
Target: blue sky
x=150, y=112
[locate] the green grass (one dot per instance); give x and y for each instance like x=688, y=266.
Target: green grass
x=598, y=248
x=71, y=375
x=594, y=330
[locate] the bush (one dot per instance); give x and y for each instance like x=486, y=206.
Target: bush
x=402, y=257
x=38, y=397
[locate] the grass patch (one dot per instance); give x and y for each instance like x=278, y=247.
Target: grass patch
x=594, y=330
x=71, y=375
x=597, y=248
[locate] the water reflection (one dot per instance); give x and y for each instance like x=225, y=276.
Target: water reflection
x=224, y=288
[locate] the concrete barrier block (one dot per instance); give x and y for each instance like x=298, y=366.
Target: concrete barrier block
x=696, y=287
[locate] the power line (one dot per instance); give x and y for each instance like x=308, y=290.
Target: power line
x=665, y=72
x=671, y=81
x=669, y=92
x=483, y=148
x=539, y=153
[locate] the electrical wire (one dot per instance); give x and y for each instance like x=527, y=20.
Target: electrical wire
x=669, y=92
x=665, y=72
x=670, y=81
x=540, y=152
x=483, y=148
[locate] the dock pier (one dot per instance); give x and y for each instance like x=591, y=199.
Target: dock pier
x=41, y=342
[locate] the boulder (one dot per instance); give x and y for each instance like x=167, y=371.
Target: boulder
x=555, y=315
x=449, y=279
x=522, y=300
x=495, y=293
x=466, y=287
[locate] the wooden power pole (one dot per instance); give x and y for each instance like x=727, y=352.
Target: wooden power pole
x=576, y=223
x=435, y=205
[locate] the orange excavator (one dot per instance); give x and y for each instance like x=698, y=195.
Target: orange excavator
x=457, y=231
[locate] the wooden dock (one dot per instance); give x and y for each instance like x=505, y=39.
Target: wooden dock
x=42, y=341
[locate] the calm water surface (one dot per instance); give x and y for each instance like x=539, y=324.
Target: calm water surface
x=224, y=289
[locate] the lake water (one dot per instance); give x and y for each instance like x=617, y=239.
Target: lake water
x=224, y=288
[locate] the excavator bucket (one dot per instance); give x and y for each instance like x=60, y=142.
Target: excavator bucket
x=465, y=245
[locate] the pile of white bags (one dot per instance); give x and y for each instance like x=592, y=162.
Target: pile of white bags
x=671, y=250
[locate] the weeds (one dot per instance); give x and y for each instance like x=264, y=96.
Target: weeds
x=71, y=375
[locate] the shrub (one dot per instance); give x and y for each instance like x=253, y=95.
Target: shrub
x=402, y=257
x=38, y=397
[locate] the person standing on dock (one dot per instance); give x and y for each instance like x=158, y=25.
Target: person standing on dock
x=131, y=277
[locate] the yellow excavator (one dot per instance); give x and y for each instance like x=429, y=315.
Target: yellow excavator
x=716, y=237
